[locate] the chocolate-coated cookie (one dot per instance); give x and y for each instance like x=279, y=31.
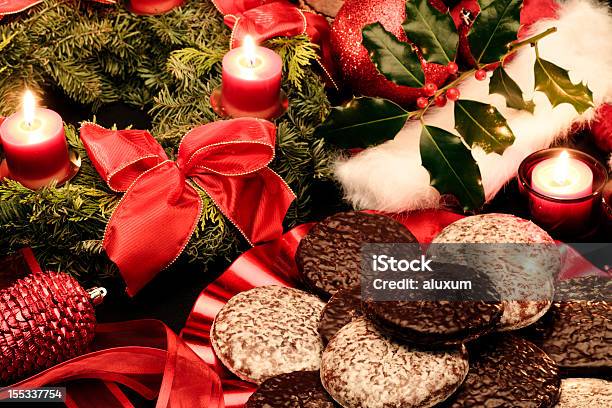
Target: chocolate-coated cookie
x=329, y=257
x=267, y=331
x=300, y=389
x=362, y=368
x=443, y=317
x=585, y=393
x=577, y=330
x=508, y=372
x=341, y=309
x=520, y=258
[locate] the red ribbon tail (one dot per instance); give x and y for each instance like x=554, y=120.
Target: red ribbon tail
x=152, y=225
x=144, y=356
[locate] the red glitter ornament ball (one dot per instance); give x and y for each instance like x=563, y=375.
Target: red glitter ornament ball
x=359, y=72
x=45, y=318
x=601, y=128
x=357, y=68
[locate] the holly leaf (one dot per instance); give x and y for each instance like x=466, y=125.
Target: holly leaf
x=395, y=59
x=501, y=83
x=433, y=32
x=495, y=27
x=482, y=125
x=362, y=123
x=555, y=82
x=451, y=166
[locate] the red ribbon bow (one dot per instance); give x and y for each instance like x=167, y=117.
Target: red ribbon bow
x=161, y=208
x=265, y=19
x=17, y=6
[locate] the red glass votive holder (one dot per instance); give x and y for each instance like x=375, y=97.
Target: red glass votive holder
x=575, y=217
x=607, y=207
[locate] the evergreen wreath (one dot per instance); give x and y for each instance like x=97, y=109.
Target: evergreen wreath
x=169, y=64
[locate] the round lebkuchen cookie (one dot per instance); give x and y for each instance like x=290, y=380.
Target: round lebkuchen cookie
x=329, y=256
x=512, y=372
x=362, y=368
x=300, y=389
x=585, y=393
x=522, y=262
x=341, y=309
x=267, y=331
x=577, y=330
x=441, y=317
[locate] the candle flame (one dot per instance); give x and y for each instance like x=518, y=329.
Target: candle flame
x=29, y=107
x=562, y=168
x=249, y=49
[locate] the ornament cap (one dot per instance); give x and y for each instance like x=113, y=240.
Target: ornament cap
x=97, y=295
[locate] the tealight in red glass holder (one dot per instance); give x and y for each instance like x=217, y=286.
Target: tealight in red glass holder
x=607, y=207
x=576, y=217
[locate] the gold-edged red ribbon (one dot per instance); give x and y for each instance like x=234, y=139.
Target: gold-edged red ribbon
x=161, y=209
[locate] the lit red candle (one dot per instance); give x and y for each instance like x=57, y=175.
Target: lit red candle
x=149, y=7
x=35, y=145
x=251, y=81
x=562, y=178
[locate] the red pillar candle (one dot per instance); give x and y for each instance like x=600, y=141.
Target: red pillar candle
x=150, y=7
x=251, y=81
x=35, y=145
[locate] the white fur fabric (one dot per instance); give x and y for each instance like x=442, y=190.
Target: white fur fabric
x=389, y=177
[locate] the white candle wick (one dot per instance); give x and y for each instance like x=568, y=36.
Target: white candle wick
x=249, y=50
x=561, y=173
x=29, y=107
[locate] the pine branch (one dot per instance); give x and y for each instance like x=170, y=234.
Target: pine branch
x=169, y=64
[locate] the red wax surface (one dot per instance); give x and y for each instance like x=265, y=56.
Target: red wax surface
x=150, y=7
x=35, y=154
x=251, y=89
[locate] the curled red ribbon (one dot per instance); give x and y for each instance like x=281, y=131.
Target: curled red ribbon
x=143, y=355
x=265, y=19
x=273, y=264
x=161, y=208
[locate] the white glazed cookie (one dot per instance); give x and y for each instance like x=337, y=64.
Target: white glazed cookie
x=523, y=272
x=267, y=331
x=585, y=393
x=362, y=368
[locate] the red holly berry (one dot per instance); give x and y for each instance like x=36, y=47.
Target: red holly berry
x=453, y=94
x=452, y=68
x=481, y=75
x=430, y=89
x=422, y=102
x=440, y=101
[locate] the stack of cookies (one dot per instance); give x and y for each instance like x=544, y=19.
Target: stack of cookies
x=326, y=346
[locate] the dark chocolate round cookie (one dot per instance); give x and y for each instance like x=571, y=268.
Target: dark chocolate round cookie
x=585, y=393
x=440, y=317
x=267, y=331
x=520, y=257
x=329, y=257
x=363, y=368
x=300, y=389
x=508, y=372
x=341, y=309
x=577, y=330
